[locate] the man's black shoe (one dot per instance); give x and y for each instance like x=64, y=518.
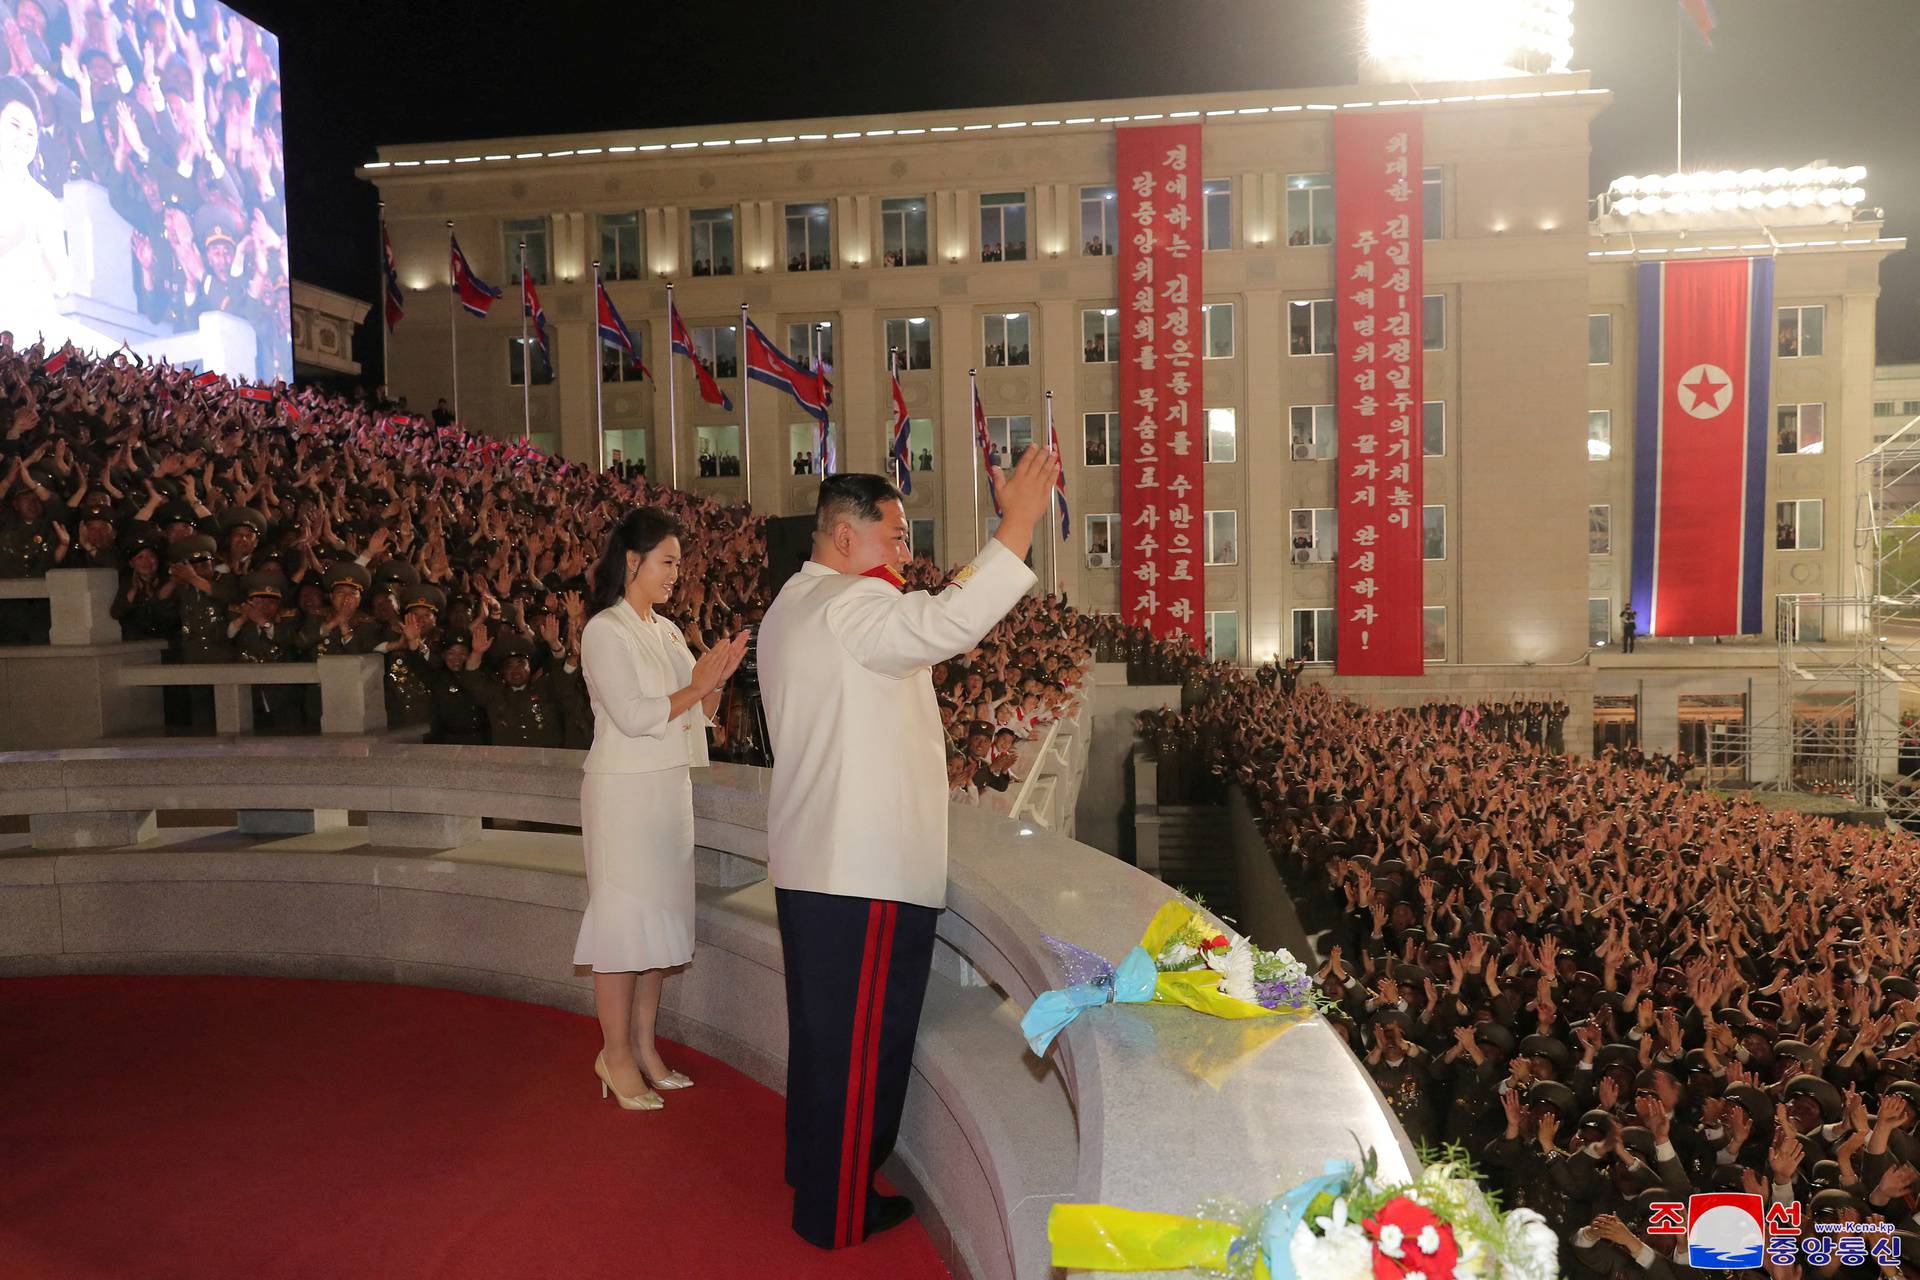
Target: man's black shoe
x=886, y=1212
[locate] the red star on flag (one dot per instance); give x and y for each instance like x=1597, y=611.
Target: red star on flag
x=1705, y=390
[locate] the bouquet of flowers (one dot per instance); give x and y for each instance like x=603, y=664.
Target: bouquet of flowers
x=1186, y=958
x=1347, y=1224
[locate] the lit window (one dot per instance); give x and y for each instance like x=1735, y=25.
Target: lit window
x=1100, y=336
x=1309, y=208
x=712, y=241
x=1003, y=227
x=807, y=237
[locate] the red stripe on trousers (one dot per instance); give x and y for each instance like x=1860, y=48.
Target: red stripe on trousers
x=857, y=1219
x=849, y=1128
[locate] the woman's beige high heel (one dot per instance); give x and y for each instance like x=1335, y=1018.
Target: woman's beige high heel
x=648, y=1101
x=672, y=1080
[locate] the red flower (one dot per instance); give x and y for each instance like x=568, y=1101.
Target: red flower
x=1411, y=1219
x=1216, y=943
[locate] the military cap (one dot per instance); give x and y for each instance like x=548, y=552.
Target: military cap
x=1396, y=1017
x=1903, y=1031
x=97, y=505
x=1749, y=1099
x=1824, y=1173
x=350, y=573
x=1900, y=985
x=1554, y=1094
x=396, y=571
x=510, y=645
x=266, y=582
x=1617, y=1055
x=215, y=224
x=1696, y=1060
x=234, y=517
x=1821, y=1091
x=1539, y=1046
x=1798, y=1049
x=1834, y=1200
x=1639, y=1140
x=175, y=512
x=424, y=596
x=1596, y=1118
x=192, y=546
x=1491, y=1032
x=1410, y=975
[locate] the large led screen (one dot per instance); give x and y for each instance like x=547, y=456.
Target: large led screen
x=143, y=183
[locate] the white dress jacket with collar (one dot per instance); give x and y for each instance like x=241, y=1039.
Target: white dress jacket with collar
x=859, y=797
x=633, y=666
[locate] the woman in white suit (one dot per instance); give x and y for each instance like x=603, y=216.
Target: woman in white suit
x=652, y=701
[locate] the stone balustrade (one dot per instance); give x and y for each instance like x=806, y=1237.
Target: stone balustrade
x=1144, y=1106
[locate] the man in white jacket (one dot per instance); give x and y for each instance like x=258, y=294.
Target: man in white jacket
x=857, y=820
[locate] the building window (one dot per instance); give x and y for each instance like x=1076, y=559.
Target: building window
x=534, y=232
x=615, y=364
x=718, y=348
x=920, y=538
x=803, y=439
x=627, y=449
x=1433, y=203
x=1310, y=327
x=1910, y=407
x=1217, y=319
x=619, y=247
x=516, y=361
x=810, y=342
x=1313, y=535
x=1218, y=230
x=1011, y=435
x=1223, y=635
x=1003, y=227
x=1884, y=409
x=718, y=450
x=920, y=444
x=1100, y=530
x=1433, y=533
x=1800, y=524
x=1103, y=439
x=1309, y=208
x=1800, y=619
x=1221, y=440
x=1599, y=435
x=1802, y=428
x=1223, y=544
x=1433, y=632
x=1599, y=529
x=1433, y=428
x=1599, y=620
x=1600, y=339
x=712, y=241
x=1313, y=635
x=903, y=232
x=1433, y=322
x=807, y=228
x=912, y=337
x=1803, y=331
x=1099, y=221
x=1007, y=340
x=1100, y=336
x=1314, y=429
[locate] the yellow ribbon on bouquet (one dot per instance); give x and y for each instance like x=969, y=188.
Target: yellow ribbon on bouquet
x=1196, y=989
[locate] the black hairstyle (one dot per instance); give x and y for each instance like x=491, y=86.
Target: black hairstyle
x=643, y=529
x=855, y=495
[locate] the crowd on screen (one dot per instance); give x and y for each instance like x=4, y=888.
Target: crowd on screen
x=1611, y=988
x=173, y=110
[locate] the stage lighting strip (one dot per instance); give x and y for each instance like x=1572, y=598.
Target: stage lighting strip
x=1895, y=242
x=850, y=134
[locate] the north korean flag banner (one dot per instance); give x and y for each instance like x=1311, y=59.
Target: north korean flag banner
x=1378, y=274
x=1162, y=484
x=1700, y=446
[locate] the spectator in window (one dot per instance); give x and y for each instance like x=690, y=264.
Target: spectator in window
x=926, y=460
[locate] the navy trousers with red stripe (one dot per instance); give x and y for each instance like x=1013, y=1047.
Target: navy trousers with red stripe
x=856, y=979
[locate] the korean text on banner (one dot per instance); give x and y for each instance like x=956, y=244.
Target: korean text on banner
x=1377, y=299
x=1162, y=491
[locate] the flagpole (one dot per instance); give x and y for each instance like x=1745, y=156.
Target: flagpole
x=746, y=409
x=973, y=429
x=828, y=454
x=1679, y=88
x=673, y=420
x=526, y=356
x=1053, y=508
x=889, y=445
x=599, y=375
x=453, y=321
x=386, y=330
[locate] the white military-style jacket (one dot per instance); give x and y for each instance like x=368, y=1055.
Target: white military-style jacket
x=633, y=666
x=859, y=797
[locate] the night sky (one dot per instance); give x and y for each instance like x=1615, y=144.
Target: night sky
x=1787, y=82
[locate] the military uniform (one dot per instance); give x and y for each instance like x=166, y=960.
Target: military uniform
x=274, y=706
x=359, y=634
x=533, y=715
x=204, y=615
x=28, y=547
x=409, y=694
x=457, y=714
x=142, y=612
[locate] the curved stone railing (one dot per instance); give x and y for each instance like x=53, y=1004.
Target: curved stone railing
x=1143, y=1106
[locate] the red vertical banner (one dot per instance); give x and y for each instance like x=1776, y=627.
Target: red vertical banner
x=1162, y=489
x=1377, y=293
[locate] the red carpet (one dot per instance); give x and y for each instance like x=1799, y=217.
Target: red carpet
x=227, y=1127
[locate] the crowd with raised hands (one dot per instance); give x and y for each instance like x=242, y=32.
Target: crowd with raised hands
x=1610, y=988
x=301, y=524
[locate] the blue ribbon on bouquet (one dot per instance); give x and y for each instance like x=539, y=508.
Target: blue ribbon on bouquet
x=1287, y=1211
x=1052, y=1011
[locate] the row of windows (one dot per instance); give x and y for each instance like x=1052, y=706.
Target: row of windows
x=1799, y=332
x=1006, y=338
x=1313, y=534
x=1896, y=408
x=1799, y=525
x=1314, y=632
x=905, y=236
x=1798, y=429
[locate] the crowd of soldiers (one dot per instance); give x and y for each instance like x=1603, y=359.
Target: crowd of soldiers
x=308, y=525
x=1610, y=989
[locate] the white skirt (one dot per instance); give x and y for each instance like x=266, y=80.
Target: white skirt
x=637, y=829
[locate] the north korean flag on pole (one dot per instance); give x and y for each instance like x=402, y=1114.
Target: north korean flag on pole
x=475, y=294
x=983, y=440
x=1700, y=446
x=900, y=452
x=808, y=387
x=395, y=301
x=530, y=302
x=683, y=346
x=614, y=332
